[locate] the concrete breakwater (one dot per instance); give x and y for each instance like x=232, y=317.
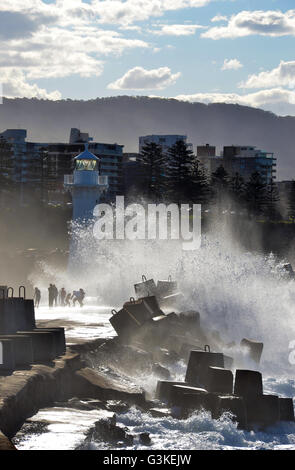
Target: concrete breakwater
x=26, y=391
x=150, y=346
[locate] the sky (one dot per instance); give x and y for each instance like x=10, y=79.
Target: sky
x=232, y=51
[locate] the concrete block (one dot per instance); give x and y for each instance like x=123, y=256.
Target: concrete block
x=43, y=344
x=17, y=306
x=130, y=318
x=170, y=300
x=286, y=409
x=140, y=310
x=59, y=339
x=254, y=348
x=145, y=288
x=262, y=410
x=30, y=314
x=248, y=383
x=7, y=317
x=219, y=380
x=228, y=362
x=153, y=304
x=180, y=394
x=165, y=288
x=235, y=405
x=123, y=323
x=7, y=360
x=198, y=363
x=164, y=388
x=22, y=347
x=185, y=400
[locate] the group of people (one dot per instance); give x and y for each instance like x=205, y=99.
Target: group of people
x=60, y=297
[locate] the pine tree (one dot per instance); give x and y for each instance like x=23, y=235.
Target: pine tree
x=180, y=160
x=291, y=202
x=152, y=160
x=272, y=199
x=220, y=187
x=237, y=191
x=199, y=186
x=256, y=194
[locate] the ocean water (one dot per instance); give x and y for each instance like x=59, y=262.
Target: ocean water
x=67, y=429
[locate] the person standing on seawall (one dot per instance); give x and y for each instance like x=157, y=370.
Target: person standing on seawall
x=55, y=295
x=62, y=296
x=68, y=300
x=50, y=295
x=37, y=297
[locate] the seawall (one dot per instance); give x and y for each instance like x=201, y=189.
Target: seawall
x=26, y=391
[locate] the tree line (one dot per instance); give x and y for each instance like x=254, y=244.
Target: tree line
x=178, y=176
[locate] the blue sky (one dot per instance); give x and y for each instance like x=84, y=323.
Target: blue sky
x=198, y=50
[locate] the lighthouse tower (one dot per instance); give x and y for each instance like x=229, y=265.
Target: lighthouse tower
x=86, y=186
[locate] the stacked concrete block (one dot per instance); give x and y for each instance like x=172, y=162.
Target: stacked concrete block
x=198, y=366
x=254, y=349
x=21, y=342
x=22, y=349
x=248, y=383
x=43, y=345
x=231, y=404
x=146, y=287
x=219, y=380
x=209, y=386
x=165, y=291
x=286, y=409
x=7, y=361
x=58, y=339
x=164, y=389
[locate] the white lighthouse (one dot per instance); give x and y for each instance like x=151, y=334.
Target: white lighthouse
x=86, y=186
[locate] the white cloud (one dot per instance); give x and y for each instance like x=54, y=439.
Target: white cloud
x=129, y=11
x=283, y=75
x=139, y=78
x=246, y=23
x=15, y=25
x=277, y=100
x=217, y=18
x=177, y=30
x=55, y=40
x=121, y=12
x=231, y=64
x=14, y=84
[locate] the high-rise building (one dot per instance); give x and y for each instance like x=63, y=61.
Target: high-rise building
x=247, y=160
x=76, y=136
x=206, y=154
x=42, y=166
x=244, y=160
x=25, y=163
x=134, y=174
x=165, y=141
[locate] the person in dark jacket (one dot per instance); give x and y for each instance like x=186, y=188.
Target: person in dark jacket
x=55, y=295
x=50, y=295
x=37, y=297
